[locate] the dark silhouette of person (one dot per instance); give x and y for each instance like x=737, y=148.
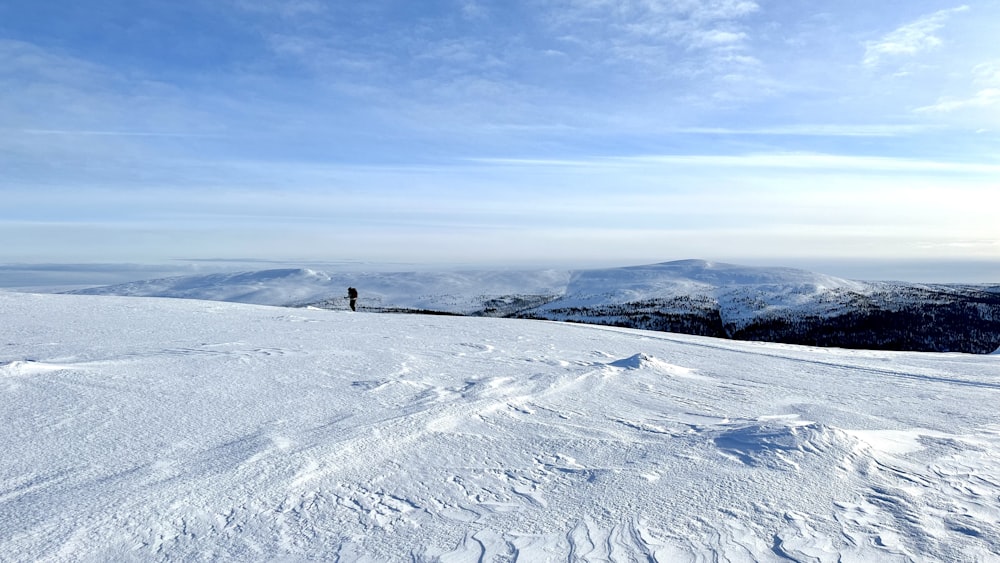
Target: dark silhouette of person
x=352, y=294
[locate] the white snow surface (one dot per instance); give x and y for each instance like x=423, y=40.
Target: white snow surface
x=154, y=429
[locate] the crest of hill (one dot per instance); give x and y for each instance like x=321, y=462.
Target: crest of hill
x=695, y=278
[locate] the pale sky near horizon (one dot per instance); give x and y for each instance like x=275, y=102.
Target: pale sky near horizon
x=491, y=133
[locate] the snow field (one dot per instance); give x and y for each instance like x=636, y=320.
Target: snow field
x=151, y=429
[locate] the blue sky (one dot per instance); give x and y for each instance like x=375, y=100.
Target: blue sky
x=524, y=132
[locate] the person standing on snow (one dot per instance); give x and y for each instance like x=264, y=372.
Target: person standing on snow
x=352, y=294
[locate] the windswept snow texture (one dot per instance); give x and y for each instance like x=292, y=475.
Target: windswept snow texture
x=153, y=430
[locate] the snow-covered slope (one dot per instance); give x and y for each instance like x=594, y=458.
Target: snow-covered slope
x=453, y=292
x=727, y=285
x=151, y=429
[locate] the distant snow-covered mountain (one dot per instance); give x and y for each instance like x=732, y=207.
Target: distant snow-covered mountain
x=688, y=296
x=782, y=305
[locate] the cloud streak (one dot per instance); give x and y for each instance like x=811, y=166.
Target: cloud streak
x=987, y=98
x=910, y=39
x=777, y=161
x=86, y=133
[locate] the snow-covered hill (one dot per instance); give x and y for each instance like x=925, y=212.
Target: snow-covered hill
x=688, y=296
x=451, y=292
x=154, y=429
x=782, y=305
x=740, y=293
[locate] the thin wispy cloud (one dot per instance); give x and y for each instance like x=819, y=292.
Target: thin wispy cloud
x=985, y=83
x=813, y=130
x=283, y=8
x=987, y=73
x=802, y=161
x=86, y=133
x=987, y=98
x=910, y=39
x=656, y=32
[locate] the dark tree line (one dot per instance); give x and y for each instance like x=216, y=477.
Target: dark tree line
x=928, y=318
x=913, y=319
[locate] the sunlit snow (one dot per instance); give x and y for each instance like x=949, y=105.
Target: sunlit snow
x=155, y=429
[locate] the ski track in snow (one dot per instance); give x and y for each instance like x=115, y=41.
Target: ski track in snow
x=154, y=430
